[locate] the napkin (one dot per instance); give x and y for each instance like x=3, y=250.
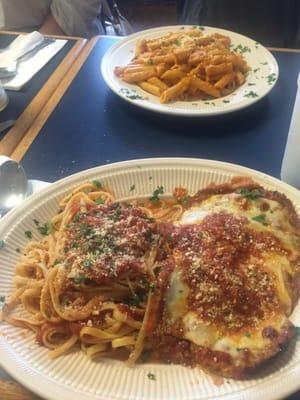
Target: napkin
x=20, y=46
x=30, y=65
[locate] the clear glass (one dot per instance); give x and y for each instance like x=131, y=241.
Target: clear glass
x=3, y=97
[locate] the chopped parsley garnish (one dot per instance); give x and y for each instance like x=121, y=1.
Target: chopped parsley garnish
x=99, y=201
x=36, y=222
x=155, y=196
x=242, y=49
x=251, y=94
x=135, y=97
x=45, y=229
x=256, y=70
x=264, y=63
x=151, y=376
x=28, y=234
x=251, y=194
x=260, y=218
x=150, y=61
x=248, y=335
x=87, y=263
x=132, y=188
x=2, y=302
x=226, y=101
x=150, y=178
x=79, y=279
x=18, y=250
x=297, y=330
x=177, y=42
x=251, y=84
x=271, y=78
x=97, y=184
x=2, y=244
x=56, y=262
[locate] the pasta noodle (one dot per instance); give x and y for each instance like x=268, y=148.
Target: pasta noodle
x=209, y=279
x=88, y=280
x=185, y=65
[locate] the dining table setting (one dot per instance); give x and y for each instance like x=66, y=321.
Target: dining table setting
x=120, y=119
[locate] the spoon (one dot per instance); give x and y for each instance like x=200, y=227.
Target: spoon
x=13, y=184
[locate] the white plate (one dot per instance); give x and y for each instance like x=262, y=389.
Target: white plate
x=73, y=376
x=260, y=80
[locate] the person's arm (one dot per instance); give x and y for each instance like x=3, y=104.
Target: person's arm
x=51, y=27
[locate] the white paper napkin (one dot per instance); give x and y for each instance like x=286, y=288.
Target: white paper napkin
x=28, y=67
x=20, y=46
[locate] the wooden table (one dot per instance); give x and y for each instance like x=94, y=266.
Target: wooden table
x=107, y=130
x=47, y=98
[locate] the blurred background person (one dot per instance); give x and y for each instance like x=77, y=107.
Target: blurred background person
x=57, y=17
x=271, y=22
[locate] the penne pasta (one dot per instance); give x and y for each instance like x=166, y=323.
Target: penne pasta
x=185, y=65
x=148, y=87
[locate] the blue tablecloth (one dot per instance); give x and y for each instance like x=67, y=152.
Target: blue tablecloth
x=92, y=126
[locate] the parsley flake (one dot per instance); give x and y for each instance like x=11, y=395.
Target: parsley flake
x=99, y=201
x=151, y=376
x=297, y=330
x=18, y=250
x=36, y=222
x=250, y=194
x=45, y=229
x=226, y=101
x=242, y=49
x=177, y=42
x=271, y=78
x=261, y=218
x=79, y=279
x=248, y=335
x=2, y=244
x=2, y=302
x=155, y=196
x=132, y=188
x=87, y=263
x=97, y=183
x=28, y=234
x=251, y=94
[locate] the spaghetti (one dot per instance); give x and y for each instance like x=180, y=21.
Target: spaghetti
x=89, y=280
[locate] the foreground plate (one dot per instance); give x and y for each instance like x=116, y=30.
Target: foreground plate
x=260, y=79
x=73, y=376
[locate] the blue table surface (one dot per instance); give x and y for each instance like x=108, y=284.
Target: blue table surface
x=19, y=100
x=92, y=126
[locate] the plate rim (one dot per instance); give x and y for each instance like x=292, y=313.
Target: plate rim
x=51, y=388
x=148, y=105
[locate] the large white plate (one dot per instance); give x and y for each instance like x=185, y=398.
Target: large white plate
x=73, y=376
x=260, y=80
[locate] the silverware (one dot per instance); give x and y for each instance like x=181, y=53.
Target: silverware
x=13, y=184
x=11, y=70
x=6, y=124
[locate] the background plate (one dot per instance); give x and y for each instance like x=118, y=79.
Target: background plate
x=73, y=376
x=260, y=79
